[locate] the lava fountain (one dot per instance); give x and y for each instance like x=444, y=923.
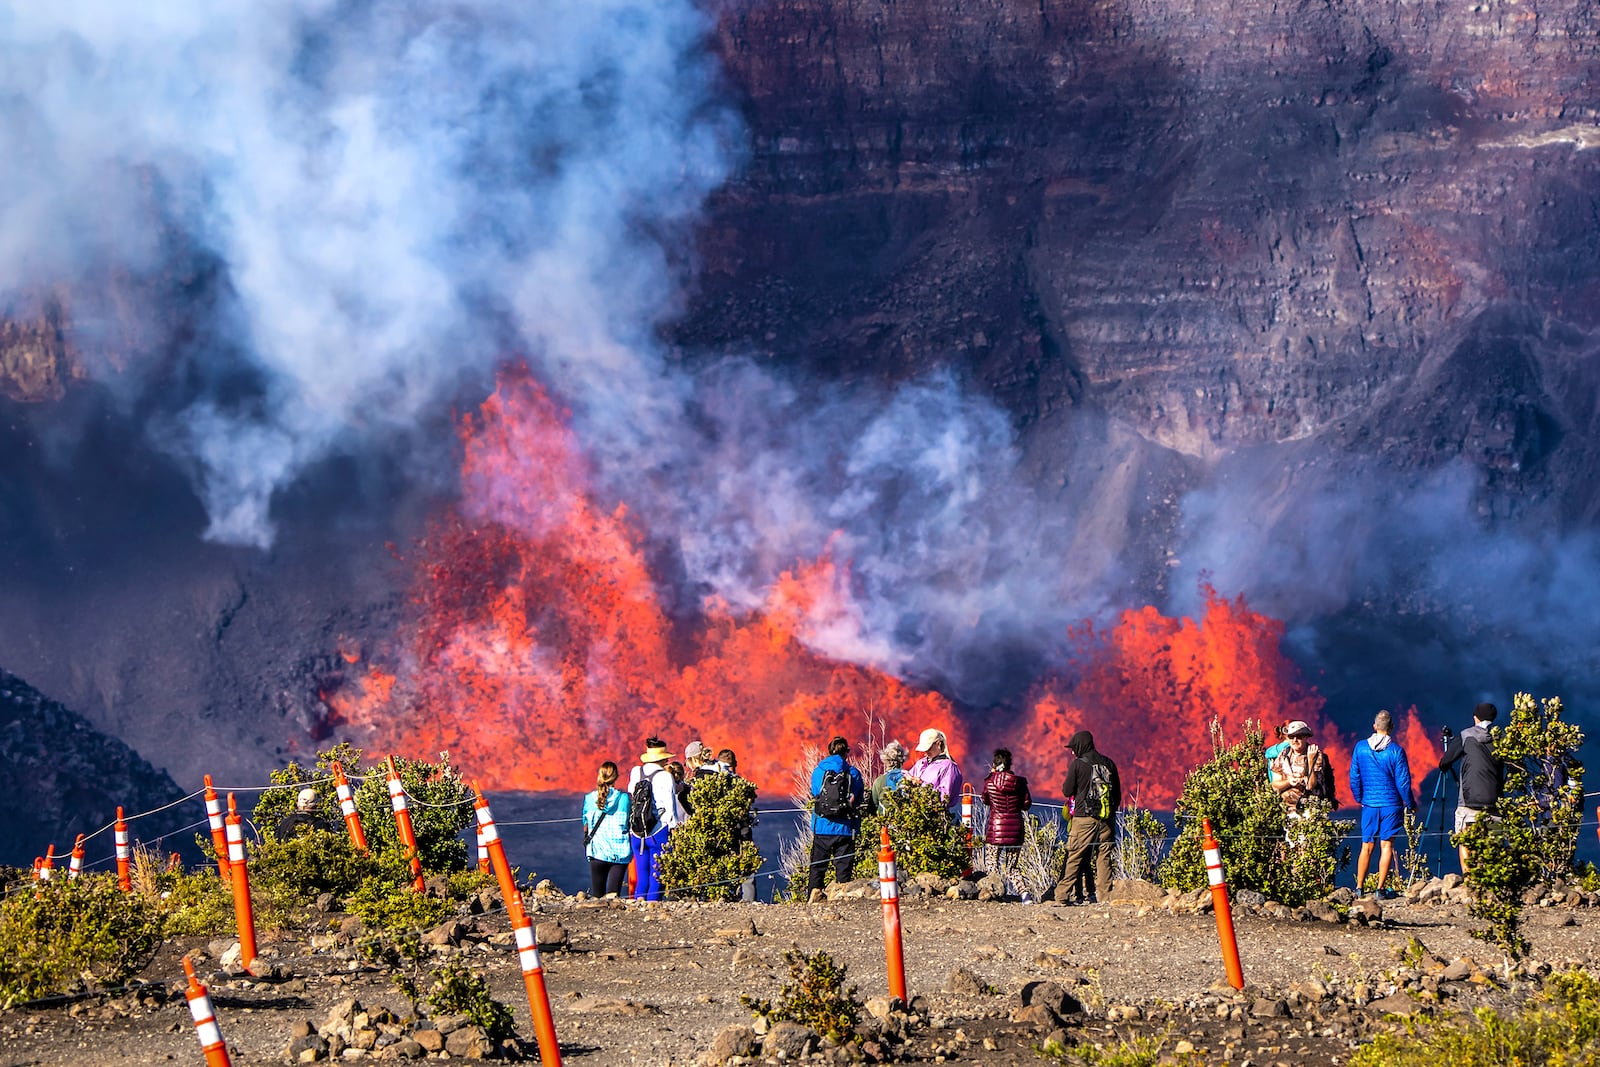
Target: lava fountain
x=540, y=643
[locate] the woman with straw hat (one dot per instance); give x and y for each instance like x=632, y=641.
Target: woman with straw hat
x=654, y=814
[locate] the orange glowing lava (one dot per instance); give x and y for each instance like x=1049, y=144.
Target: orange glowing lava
x=539, y=645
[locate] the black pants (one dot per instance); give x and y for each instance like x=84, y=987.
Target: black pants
x=841, y=847
x=606, y=877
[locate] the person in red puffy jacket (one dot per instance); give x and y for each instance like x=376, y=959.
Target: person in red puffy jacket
x=1006, y=794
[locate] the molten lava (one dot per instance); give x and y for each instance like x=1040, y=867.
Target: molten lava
x=540, y=645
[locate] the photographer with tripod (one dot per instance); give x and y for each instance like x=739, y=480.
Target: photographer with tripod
x=1480, y=772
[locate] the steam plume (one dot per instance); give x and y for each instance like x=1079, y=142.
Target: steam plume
x=395, y=194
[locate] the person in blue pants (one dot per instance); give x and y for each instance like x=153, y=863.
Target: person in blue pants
x=654, y=814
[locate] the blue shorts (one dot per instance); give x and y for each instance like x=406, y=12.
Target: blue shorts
x=1381, y=824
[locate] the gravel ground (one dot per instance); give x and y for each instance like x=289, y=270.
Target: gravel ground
x=654, y=984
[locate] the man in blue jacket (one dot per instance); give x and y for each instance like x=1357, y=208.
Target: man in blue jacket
x=1380, y=781
x=837, y=790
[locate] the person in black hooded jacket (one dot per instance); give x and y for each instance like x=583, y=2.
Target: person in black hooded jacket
x=1481, y=773
x=1093, y=788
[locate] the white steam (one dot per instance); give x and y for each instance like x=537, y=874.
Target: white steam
x=397, y=194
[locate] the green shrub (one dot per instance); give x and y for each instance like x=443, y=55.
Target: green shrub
x=196, y=904
x=1141, y=839
x=439, y=803
x=707, y=857
x=72, y=931
x=1533, y=830
x=926, y=839
x=1560, y=1027
x=814, y=996
x=309, y=864
x=386, y=900
x=458, y=991
x=1290, y=861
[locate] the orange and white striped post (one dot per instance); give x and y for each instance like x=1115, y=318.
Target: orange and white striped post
x=966, y=805
x=219, y=833
x=47, y=866
x=544, y=1024
x=38, y=868
x=402, y=823
x=347, y=807
x=120, y=830
x=75, y=864
x=484, y=865
x=243, y=912
x=889, y=890
x=205, y=1020
x=1220, y=904
x=497, y=857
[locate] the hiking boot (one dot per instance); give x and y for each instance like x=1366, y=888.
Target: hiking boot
x=818, y=897
x=1385, y=893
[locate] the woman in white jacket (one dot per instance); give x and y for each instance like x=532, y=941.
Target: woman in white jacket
x=655, y=813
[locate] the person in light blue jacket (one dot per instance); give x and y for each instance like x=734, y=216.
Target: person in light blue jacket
x=605, y=833
x=1380, y=781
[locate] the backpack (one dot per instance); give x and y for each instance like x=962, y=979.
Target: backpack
x=835, y=801
x=1098, y=792
x=1322, y=779
x=643, y=817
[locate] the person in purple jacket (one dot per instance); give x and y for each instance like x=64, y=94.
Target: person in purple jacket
x=1380, y=781
x=936, y=768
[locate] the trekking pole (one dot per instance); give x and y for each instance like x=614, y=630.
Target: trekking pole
x=75, y=864
x=244, y=914
x=497, y=857
x=889, y=890
x=347, y=808
x=120, y=829
x=219, y=833
x=205, y=1020
x=544, y=1025
x=402, y=823
x=1219, y=903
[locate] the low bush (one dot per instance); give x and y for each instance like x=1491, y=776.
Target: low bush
x=457, y=990
x=309, y=864
x=386, y=900
x=69, y=933
x=926, y=839
x=1532, y=832
x=196, y=903
x=440, y=803
x=710, y=855
x=1561, y=1026
x=1290, y=861
x=815, y=995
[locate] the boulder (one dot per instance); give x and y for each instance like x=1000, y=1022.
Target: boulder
x=961, y=980
x=469, y=1043
x=731, y=1041
x=791, y=1041
x=1137, y=889
x=551, y=935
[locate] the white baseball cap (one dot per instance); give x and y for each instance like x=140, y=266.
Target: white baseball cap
x=929, y=736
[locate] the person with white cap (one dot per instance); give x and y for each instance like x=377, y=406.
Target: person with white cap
x=654, y=812
x=936, y=768
x=304, y=816
x=1298, y=770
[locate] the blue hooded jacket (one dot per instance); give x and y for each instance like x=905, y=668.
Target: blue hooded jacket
x=1379, y=774
x=858, y=789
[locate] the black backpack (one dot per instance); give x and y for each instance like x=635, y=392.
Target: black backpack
x=643, y=818
x=835, y=800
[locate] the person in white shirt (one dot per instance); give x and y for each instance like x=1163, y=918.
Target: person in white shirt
x=652, y=817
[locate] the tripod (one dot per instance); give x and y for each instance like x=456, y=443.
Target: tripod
x=1439, y=800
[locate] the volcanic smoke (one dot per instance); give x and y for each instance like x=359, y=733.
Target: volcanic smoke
x=541, y=643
